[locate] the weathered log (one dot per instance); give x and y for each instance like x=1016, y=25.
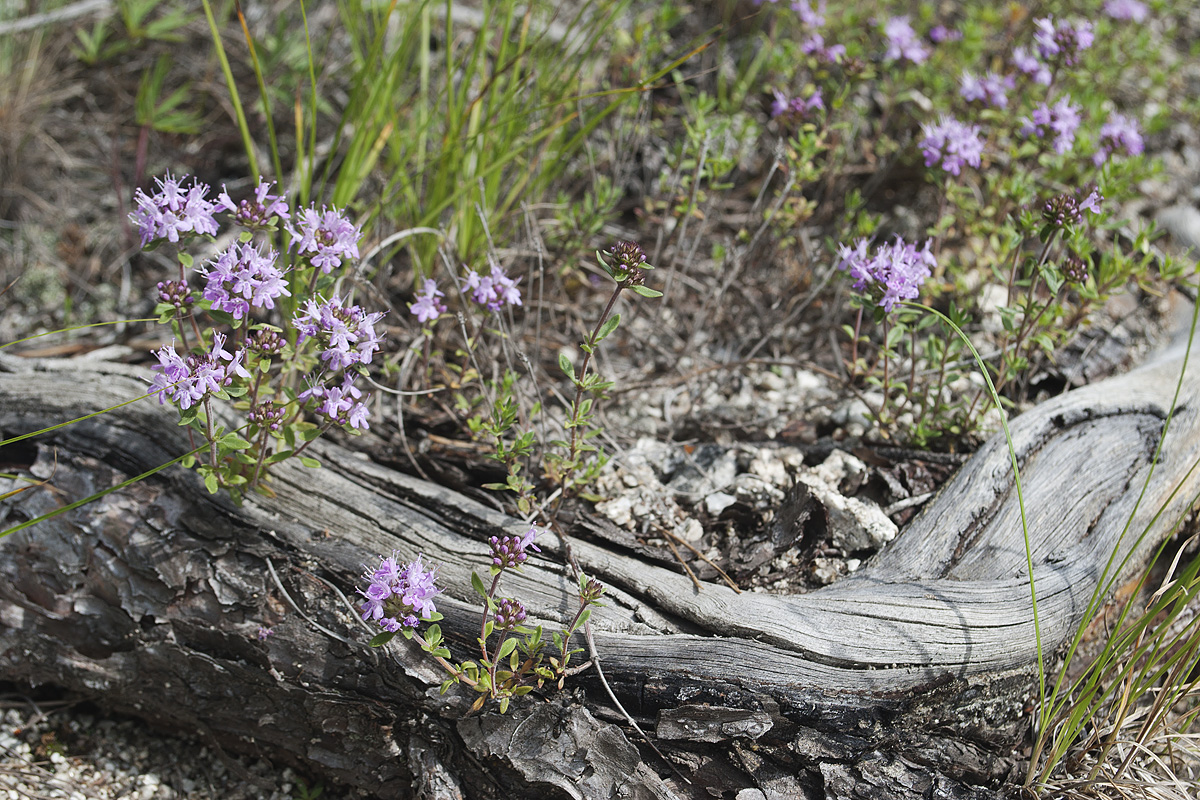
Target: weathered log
x=905, y=679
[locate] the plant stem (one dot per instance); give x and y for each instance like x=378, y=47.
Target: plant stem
x=212, y=442
x=573, y=451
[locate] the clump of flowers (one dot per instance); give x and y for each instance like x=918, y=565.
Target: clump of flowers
x=1028, y=63
x=1120, y=134
x=188, y=381
x=426, y=306
x=493, y=291
x=400, y=596
x=259, y=212
x=991, y=90
x=1060, y=120
x=1061, y=42
x=173, y=211
x=1127, y=10
x=243, y=278
x=244, y=342
x=951, y=143
x=903, y=44
x=889, y=274
x=326, y=236
x=513, y=659
x=797, y=107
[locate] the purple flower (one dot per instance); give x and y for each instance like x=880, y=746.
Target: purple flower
x=1092, y=202
x=175, y=293
x=346, y=333
x=1128, y=10
x=494, y=290
x=509, y=614
x=512, y=551
x=256, y=213
x=814, y=45
x=991, y=89
x=187, y=381
x=894, y=272
x=953, y=143
x=1062, y=40
x=810, y=16
x=1119, y=133
x=326, y=234
x=940, y=33
x=1062, y=119
x=173, y=211
x=780, y=103
x=427, y=307
x=903, y=42
x=1029, y=64
x=397, y=595
x=797, y=107
x=264, y=632
x=242, y=278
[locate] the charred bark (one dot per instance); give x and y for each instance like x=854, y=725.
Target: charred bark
x=908, y=679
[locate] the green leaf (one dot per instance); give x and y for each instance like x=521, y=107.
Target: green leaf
x=231, y=441
x=646, y=292
x=210, y=483
x=311, y=463
x=477, y=584
x=381, y=639
x=608, y=327
x=564, y=363
x=509, y=645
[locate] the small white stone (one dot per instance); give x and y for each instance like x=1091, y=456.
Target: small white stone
x=717, y=502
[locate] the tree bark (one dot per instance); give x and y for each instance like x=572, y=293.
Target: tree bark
x=908, y=679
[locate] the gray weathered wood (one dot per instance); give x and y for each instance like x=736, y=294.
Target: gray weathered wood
x=152, y=597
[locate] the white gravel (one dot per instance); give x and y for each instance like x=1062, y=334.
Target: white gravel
x=54, y=750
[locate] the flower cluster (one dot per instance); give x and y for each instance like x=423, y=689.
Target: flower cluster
x=327, y=235
x=243, y=278
x=798, y=107
x=894, y=272
x=187, y=381
x=258, y=212
x=173, y=211
x=400, y=596
x=1061, y=42
x=493, y=291
x=940, y=33
x=267, y=415
x=1075, y=269
x=952, y=143
x=175, y=293
x=1126, y=10
x=511, y=551
x=992, y=89
x=1067, y=209
x=1062, y=120
x=903, y=44
x=346, y=333
x=426, y=307
x=1119, y=134
x=814, y=45
x=1032, y=66
x=812, y=16
x=509, y=614
x=341, y=404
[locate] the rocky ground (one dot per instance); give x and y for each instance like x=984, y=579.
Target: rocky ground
x=756, y=472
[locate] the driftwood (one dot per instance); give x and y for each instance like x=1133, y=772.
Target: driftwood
x=908, y=679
